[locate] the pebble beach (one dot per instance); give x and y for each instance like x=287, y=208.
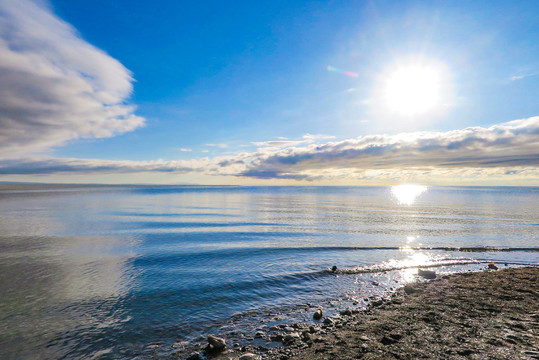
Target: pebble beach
x=493, y=314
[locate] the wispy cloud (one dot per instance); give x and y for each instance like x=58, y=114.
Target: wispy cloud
x=316, y=137
x=277, y=143
x=508, y=149
x=284, y=142
x=186, y=150
x=221, y=146
x=55, y=86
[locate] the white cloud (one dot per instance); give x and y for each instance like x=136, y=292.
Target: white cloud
x=186, y=150
x=504, y=151
x=221, y=146
x=277, y=143
x=284, y=142
x=512, y=144
x=55, y=86
x=311, y=137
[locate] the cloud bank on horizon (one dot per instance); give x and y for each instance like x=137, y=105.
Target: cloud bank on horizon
x=505, y=149
x=55, y=86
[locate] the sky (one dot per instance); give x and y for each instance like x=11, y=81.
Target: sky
x=270, y=92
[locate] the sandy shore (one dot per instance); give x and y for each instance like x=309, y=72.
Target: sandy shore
x=485, y=315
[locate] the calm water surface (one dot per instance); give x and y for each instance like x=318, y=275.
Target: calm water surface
x=95, y=271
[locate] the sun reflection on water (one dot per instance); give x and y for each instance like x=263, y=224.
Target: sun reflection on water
x=406, y=194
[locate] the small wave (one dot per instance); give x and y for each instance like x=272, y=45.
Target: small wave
x=418, y=248
x=383, y=268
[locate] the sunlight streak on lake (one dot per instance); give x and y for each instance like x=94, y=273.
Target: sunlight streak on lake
x=406, y=194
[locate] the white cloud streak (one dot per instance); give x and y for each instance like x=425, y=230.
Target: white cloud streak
x=284, y=142
x=55, y=86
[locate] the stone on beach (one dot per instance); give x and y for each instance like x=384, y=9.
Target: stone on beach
x=346, y=312
x=427, y=274
x=216, y=344
x=260, y=334
x=249, y=356
x=290, y=338
x=194, y=356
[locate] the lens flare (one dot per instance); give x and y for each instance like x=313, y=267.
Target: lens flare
x=344, y=72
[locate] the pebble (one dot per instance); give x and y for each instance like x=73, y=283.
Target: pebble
x=386, y=340
x=194, y=356
x=427, y=274
x=290, y=338
x=249, y=356
x=409, y=289
x=346, y=312
x=217, y=344
x=328, y=321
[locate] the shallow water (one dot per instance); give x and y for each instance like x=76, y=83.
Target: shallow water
x=108, y=270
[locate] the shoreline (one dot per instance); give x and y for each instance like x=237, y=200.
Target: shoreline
x=472, y=315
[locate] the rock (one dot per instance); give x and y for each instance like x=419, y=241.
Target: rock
x=346, y=312
x=364, y=338
x=194, y=356
x=260, y=334
x=386, y=340
x=305, y=335
x=312, y=329
x=409, y=289
x=289, y=329
x=377, y=302
x=216, y=344
x=328, y=321
x=318, y=314
x=277, y=338
x=427, y=274
x=290, y=338
x=249, y=356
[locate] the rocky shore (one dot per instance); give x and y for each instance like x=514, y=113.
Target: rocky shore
x=483, y=315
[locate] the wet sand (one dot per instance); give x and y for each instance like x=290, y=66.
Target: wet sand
x=484, y=315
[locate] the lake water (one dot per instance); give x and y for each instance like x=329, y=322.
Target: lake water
x=135, y=271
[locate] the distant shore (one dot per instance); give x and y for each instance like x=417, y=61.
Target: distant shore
x=484, y=315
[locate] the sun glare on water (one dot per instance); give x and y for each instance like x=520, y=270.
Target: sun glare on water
x=406, y=194
x=413, y=89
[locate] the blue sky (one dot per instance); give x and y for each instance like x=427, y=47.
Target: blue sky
x=213, y=79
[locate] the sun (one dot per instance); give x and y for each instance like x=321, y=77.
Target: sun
x=412, y=89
